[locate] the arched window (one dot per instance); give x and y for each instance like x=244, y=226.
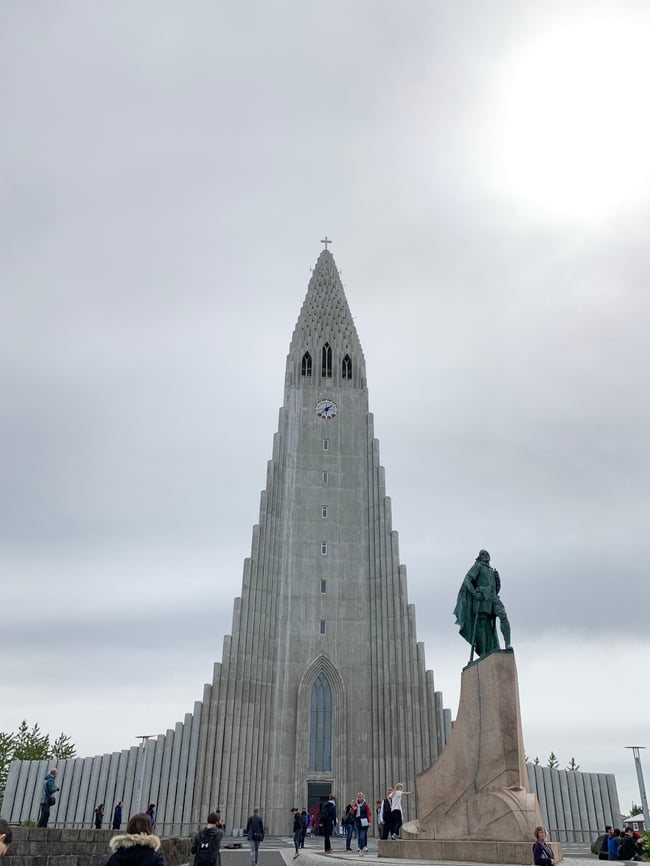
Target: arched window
x=327, y=361
x=346, y=368
x=320, y=726
x=306, y=364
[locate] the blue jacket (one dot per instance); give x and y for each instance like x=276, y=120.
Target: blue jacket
x=49, y=787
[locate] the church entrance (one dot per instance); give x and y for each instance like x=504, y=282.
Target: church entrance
x=317, y=793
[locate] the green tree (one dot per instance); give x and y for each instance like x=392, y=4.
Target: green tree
x=553, y=762
x=635, y=809
x=30, y=744
x=573, y=766
x=536, y=761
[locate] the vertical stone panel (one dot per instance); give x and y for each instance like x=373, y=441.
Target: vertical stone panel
x=112, y=794
x=92, y=796
x=589, y=801
x=192, y=765
x=576, y=835
x=614, y=807
x=163, y=790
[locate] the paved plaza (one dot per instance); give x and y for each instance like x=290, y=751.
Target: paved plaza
x=279, y=851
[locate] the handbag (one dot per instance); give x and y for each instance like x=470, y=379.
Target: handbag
x=257, y=837
x=364, y=822
x=51, y=801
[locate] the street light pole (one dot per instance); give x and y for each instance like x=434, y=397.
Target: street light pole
x=639, y=775
x=144, y=738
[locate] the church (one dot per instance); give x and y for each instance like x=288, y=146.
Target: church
x=322, y=686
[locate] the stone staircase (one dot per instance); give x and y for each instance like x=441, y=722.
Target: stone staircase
x=61, y=847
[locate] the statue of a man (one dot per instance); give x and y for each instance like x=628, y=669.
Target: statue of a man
x=478, y=607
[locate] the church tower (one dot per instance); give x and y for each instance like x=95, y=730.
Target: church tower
x=322, y=686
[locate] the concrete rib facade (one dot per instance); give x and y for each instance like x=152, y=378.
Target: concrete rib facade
x=322, y=684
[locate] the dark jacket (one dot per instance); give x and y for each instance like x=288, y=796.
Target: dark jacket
x=135, y=850
x=209, y=833
x=542, y=854
x=297, y=822
x=627, y=848
x=117, y=817
x=254, y=825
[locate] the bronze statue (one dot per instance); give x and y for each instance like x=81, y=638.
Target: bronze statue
x=478, y=607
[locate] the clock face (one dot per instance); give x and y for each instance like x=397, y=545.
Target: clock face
x=326, y=409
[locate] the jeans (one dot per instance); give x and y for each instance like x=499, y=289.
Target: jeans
x=396, y=821
x=296, y=839
x=44, y=815
x=362, y=834
x=348, y=836
x=255, y=850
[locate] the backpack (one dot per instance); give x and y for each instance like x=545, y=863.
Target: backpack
x=206, y=849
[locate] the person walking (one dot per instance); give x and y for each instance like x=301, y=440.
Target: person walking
x=99, y=816
x=47, y=797
x=117, y=816
x=362, y=813
x=304, y=823
x=255, y=834
x=296, y=830
x=207, y=843
x=138, y=846
x=151, y=812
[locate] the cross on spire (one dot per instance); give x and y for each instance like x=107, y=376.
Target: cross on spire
x=326, y=241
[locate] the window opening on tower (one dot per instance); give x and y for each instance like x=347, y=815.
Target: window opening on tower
x=306, y=364
x=327, y=362
x=346, y=368
x=320, y=723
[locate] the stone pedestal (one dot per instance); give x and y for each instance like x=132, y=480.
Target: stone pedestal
x=474, y=803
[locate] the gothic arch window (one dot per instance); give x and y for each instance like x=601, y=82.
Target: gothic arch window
x=306, y=364
x=327, y=361
x=320, y=726
x=346, y=368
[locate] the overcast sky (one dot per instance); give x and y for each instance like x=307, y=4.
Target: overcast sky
x=168, y=171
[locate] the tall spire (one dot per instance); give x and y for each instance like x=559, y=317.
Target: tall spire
x=325, y=318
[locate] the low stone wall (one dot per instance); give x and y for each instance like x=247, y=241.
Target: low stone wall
x=60, y=847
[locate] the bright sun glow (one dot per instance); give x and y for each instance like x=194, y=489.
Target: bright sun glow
x=574, y=127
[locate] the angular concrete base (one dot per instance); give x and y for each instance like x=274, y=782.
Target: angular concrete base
x=473, y=803
x=461, y=850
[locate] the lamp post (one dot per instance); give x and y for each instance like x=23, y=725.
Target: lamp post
x=639, y=775
x=144, y=738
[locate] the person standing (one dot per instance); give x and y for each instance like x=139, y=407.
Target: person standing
x=362, y=813
x=151, y=812
x=47, y=797
x=386, y=808
x=137, y=846
x=207, y=843
x=328, y=821
x=117, y=816
x=348, y=824
x=396, y=816
x=255, y=834
x=99, y=816
x=5, y=837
